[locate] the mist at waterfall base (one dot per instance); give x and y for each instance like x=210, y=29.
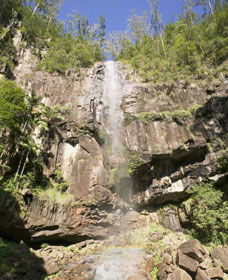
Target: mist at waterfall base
x=116, y=263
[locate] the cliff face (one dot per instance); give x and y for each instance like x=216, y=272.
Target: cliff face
x=146, y=151
x=173, y=132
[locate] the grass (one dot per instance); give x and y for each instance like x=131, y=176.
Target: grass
x=57, y=196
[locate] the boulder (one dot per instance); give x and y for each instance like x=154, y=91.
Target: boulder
x=201, y=275
x=194, y=249
x=178, y=274
x=221, y=254
x=215, y=273
x=187, y=263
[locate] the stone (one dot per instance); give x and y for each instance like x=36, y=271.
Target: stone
x=167, y=258
x=215, y=273
x=207, y=263
x=137, y=277
x=194, y=249
x=178, y=274
x=221, y=254
x=201, y=275
x=187, y=263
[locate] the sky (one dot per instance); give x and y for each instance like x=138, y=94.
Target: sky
x=116, y=12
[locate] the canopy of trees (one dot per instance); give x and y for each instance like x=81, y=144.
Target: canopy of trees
x=194, y=45
x=36, y=20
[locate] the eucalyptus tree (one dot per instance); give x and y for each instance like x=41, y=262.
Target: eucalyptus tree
x=157, y=22
x=138, y=26
x=101, y=31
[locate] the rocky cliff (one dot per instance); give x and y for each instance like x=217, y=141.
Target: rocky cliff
x=171, y=135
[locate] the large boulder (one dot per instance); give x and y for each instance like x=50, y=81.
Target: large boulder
x=193, y=249
x=187, y=263
x=178, y=274
x=221, y=254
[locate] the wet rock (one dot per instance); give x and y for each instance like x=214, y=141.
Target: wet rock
x=170, y=219
x=221, y=254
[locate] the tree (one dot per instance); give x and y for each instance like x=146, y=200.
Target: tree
x=78, y=25
x=12, y=106
x=156, y=22
x=117, y=42
x=138, y=26
x=210, y=5
x=101, y=31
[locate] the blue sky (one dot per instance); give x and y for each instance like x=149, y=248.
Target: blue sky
x=116, y=12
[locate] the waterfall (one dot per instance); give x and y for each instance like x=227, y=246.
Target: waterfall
x=116, y=263
x=113, y=116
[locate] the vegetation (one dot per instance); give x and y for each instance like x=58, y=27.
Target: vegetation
x=222, y=161
x=125, y=170
x=193, y=46
x=55, y=195
x=67, y=46
x=149, y=117
x=208, y=214
x=6, y=251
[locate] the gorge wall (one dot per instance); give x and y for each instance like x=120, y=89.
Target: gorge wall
x=121, y=154
x=170, y=138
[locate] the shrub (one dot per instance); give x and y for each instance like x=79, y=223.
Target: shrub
x=222, y=161
x=12, y=105
x=209, y=214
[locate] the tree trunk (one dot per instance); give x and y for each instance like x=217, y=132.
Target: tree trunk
x=35, y=9
x=19, y=166
x=7, y=29
x=23, y=168
x=163, y=44
x=210, y=6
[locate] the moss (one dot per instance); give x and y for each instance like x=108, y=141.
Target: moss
x=149, y=117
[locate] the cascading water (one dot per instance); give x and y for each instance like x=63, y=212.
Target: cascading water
x=116, y=263
x=112, y=99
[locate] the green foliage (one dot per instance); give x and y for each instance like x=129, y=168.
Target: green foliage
x=58, y=182
x=118, y=173
x=13, y=109
x=55, y=195
x=209, y=214
x=187, y=48
x=67, y=53
x=154, y=272
x=41, y=31
x=149, y=117
x=37, y=30
x=6, y=251
x=133, y=164
x=125, y=170
x=222, y=161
